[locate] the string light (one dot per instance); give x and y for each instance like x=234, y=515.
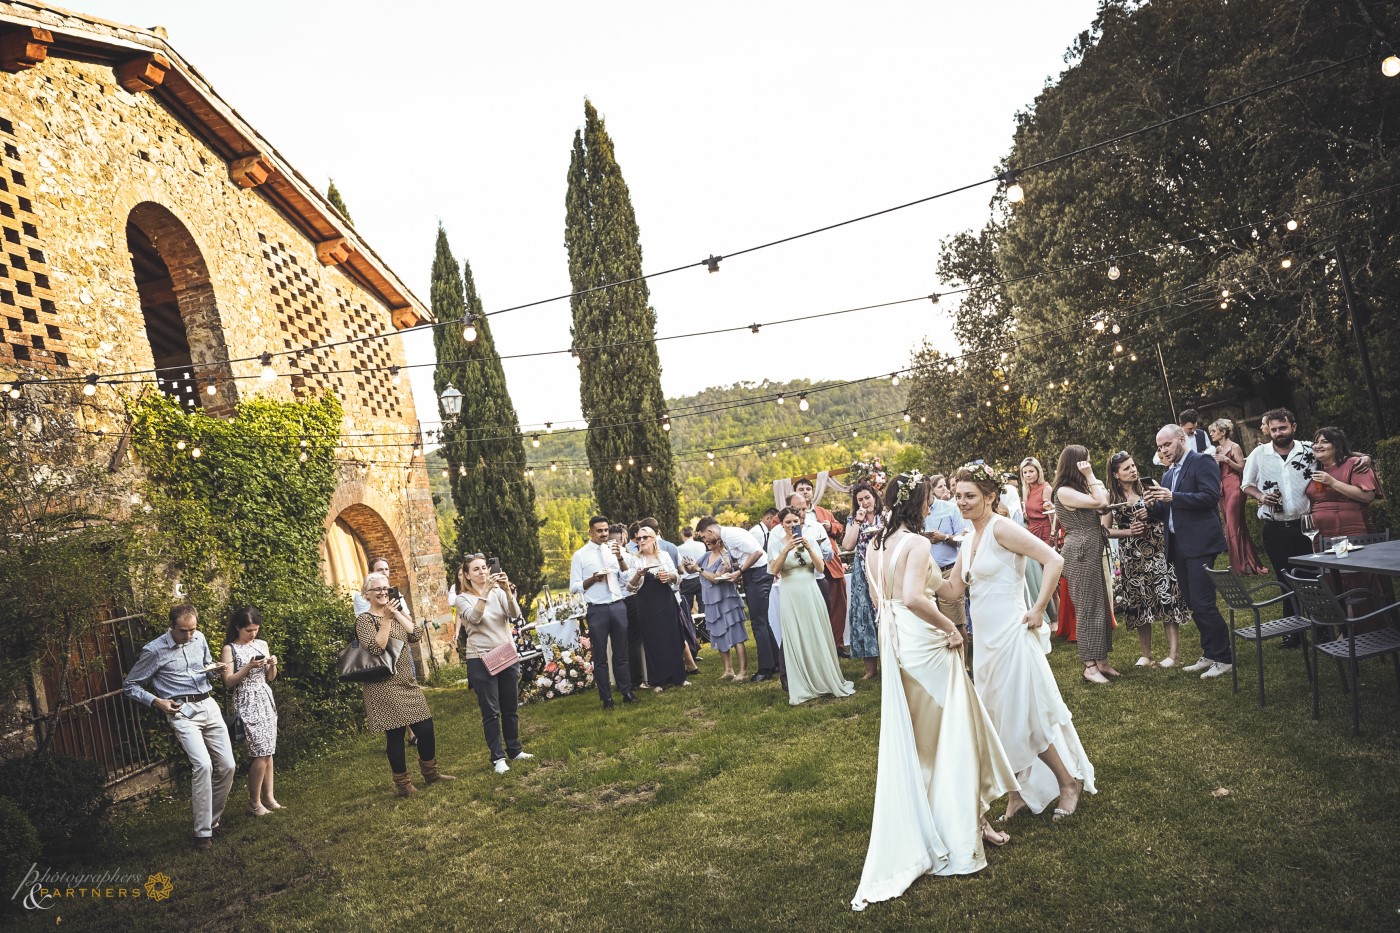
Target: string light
x=713, y=262
x=806, y=438
x=553, y=467
x=1116, y=329
x=854, y=433
x=710, y=454
x=578, y=360
x=1390, y=64
x=1113, y=271
x=1224, y=293
x=785, y=443
x=303, y=457
x=1292, y=223
x=617, y=467
x=666, y=423
x=648, y=467
x=534, y=440
x=781, y=400
x=211, y=389
x=91, y=388
x=923, y=419
x=754, y=327
x=549, y=427
x=1133, y=357
x=180, y=444
x=196, y=453
x=394, y=376
x=631, y=462
x=469, y=327
x=1015, y=194
x=1287, y=262
x=908, y=417
x=15, y=391
x=268, y=373
x=1006, y=387
x=802, y=404
x=894, y=379
x=933, y=297
x=462, y=470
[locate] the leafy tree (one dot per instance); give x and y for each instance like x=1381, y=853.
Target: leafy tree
x=615, y=329
x=485, y=459
x=1229, y=320
x=337, y=202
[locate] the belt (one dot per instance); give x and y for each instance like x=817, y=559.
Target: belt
x=1281, y=521
x=943, y=569
x=192, y=698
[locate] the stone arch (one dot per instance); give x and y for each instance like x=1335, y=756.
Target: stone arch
x=180, y=308
x=357, y=532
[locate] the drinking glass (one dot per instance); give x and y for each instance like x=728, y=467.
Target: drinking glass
x=1310, y=529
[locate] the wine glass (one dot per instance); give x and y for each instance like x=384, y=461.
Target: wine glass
x=1310, y=529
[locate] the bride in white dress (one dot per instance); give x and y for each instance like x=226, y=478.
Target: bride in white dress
x=1012, y=640
x=941, y=765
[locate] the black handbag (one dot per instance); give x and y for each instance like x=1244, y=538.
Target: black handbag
x=237, y=731
x=356, y=665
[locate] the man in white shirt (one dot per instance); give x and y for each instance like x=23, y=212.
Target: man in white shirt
x=745, y=554
x=1196, y=437
x=596, y=572
x=1276, y=476
x=691, y=551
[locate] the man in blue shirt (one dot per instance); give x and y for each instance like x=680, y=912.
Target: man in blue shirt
x=943, y=524
x=178, y=665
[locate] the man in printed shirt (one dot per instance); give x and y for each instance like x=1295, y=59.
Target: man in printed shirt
x=596, y=573
x=178, y=667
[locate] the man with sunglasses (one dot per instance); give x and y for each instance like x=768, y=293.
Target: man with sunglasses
x=595, y=572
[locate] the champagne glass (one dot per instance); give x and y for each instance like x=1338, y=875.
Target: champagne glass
x=1310, y=529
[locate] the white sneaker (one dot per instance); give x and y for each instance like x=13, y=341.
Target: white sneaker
x=1200, y=665
x=501, y=766
x=1167, y=662
x=1143, y=661
x=526, y=756
x=1217, y=669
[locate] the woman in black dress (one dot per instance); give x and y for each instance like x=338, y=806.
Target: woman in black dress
x=656, y=582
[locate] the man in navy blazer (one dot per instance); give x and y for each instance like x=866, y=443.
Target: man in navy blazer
x=1187, y=502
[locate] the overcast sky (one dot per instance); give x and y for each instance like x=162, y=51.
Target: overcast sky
x=734, y=124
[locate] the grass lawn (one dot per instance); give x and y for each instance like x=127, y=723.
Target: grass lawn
x=721, y=806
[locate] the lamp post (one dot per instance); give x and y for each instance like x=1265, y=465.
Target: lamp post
x=451, y=401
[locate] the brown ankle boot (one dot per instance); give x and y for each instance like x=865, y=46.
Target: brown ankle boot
x=430, y=772
x=404, y=785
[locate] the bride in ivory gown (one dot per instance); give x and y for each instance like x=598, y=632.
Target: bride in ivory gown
x=1013, y=677
x=941, y=764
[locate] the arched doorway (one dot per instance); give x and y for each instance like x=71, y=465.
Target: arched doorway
x=179, y=309
x=356, y=536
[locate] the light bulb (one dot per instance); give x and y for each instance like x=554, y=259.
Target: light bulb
x=1113, y=271
x=806, y=438
x=1133, y=357
x=631, y=462
x=923, y=419
x=469, y=328
x=648, y=467
x=554, y=468
x=15, y=392
x=1116, y=329
x=445, y=472
x=854, y=433
x=959, y=416
x=1224, y=293
x=461, y=471
x=666, y=425
x=785, y=443
x=1006, y=387
x=802, y=404
x=535, y=440
x=1224, y=305
x=781, y=400
x=211, y=389
x=180, y=444
x=1390, y=65
x=394, y=376
x=617, y=467
x=1098, y=326
x=196, y=452
x=908, y=417
x=894, y=379
x=302, y=457
x=1287, y=262
x=91, y=387
x=988, y=403
x=1292, y=224
x=268, y=373
x=710, y=454
x=1015, y=194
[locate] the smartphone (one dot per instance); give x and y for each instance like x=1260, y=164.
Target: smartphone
x=189, y=710
x=259, y=657
x=1148, y=482
x=493, y=566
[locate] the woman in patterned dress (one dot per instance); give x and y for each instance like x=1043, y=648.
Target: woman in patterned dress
x=724, y=610
x=1148, y=589
x=249, y=669
x=1078, y=495
x=392, y=705
x=867, y=520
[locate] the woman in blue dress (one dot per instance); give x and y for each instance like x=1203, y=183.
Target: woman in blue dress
x=867, y=520
x=724, y=610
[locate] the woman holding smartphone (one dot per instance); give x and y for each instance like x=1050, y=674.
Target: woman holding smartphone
x=724, y=609
x=1149, y=588
x=656, y=583
x=809, y=648
x=485, y=605
x=1078, y=496
x=249, y=669
x=867, y=521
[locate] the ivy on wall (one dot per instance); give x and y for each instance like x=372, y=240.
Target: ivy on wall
x=241, y=524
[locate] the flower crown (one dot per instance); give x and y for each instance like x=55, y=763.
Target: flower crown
x=981, y=473
x=908, y=482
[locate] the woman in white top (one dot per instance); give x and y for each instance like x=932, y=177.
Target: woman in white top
x=653, y=577
x=485, y=606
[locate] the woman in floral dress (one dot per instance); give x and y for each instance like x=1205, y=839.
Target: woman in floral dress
x=1148, y=590
x=249, y=669
x=867, y=520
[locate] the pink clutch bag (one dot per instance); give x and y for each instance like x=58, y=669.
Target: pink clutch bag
x=500, y=658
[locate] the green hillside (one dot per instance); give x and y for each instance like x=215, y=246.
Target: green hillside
x=737, y=485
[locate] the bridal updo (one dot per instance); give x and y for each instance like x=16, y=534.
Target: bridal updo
x=907, y=497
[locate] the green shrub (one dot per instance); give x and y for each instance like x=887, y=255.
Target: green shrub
x=1387, y=513
x=19, y=843
x=63, y=799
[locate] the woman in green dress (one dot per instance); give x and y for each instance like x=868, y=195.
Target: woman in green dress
x=809, y=651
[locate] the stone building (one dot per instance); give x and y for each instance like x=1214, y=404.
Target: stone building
x=146, y=224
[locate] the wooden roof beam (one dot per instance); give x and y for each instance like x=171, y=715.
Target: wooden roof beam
x=24, y=48
x=143, y=73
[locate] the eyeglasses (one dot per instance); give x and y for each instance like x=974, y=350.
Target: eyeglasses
x=381, y=590
x=646, y=537
x=1120, y=457
x=477, y=556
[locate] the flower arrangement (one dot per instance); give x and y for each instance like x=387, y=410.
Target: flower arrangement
x=870, y=471
x=565, y=671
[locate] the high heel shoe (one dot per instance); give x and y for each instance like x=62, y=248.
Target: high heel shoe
x=994, y=837
x=258, y=811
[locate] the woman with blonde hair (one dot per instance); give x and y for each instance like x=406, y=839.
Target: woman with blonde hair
x=1244, y=560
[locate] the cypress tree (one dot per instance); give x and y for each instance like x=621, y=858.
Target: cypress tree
x=483, y=447
x=620, y=382
x=337, y=202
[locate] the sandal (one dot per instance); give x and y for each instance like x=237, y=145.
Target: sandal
x=1061, y=813
x=993, y=837
x=1093, y=676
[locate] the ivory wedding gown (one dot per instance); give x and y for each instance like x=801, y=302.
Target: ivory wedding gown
x=941, y=764
x=1013, y=677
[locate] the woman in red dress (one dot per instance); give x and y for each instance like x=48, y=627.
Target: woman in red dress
x=1244, y=560
x=1038, y=508
x=1341, y=493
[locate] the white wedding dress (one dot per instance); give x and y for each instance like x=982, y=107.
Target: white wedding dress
x=940, y=764
x=1013, y=677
